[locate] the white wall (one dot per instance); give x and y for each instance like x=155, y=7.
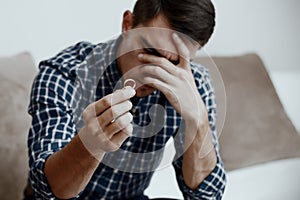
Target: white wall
x=45, y=27
x=268, y=27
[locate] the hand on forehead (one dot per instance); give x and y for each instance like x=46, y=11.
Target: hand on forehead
x=159, y=41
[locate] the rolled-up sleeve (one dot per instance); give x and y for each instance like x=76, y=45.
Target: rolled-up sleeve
x=213, y=186
x=52, y=124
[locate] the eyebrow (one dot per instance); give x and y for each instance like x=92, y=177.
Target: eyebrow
x=149, y=48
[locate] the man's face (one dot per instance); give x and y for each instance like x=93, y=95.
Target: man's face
x=155, y=39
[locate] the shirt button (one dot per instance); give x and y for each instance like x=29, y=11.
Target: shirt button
x=128, y=143
x=133, y=110
x=116, y=171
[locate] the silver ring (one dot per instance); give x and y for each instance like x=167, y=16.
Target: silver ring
x=130, y=81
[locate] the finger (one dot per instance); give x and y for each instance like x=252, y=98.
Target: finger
x=119, y=124
x=160, y=61
x=182, y=49
x=103, y=104
x=119, y=138
x=114, y=112
x=157, y=72
x=112, y=99
x=165, y=89
x=158, y=84
x=128, y=130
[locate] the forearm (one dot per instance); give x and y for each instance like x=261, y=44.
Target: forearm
x=69, y=170
x=198, y=160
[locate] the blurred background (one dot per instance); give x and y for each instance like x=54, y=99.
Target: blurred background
x=269, y=28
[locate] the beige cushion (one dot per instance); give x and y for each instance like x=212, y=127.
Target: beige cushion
x=16, y=75
x=256, y=128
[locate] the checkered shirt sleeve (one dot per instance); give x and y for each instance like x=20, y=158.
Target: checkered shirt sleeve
x=52, y=124
x=213, y=186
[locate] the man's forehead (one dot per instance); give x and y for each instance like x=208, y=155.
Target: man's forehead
x=161, y=39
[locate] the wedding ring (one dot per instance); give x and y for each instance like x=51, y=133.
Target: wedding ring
x=130, y=82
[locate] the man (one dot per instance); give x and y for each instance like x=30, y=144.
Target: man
x=92, y=138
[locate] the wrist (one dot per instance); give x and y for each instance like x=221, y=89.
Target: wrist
x=90, y=145
x=196, y=118
x=199, y=159
x=195, y=170
x=198, y=140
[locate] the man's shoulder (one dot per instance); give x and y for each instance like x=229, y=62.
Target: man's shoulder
x=77, y=56
x=199, y=71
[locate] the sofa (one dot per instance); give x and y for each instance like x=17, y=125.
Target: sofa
x=16, y=76
x=253, y=125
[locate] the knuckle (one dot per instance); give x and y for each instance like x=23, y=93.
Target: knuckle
x=100, y=120
x=112, y=112
x=106, y=101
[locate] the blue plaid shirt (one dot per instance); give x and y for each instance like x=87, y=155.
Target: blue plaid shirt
x=84, y=73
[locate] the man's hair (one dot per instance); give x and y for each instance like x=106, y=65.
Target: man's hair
x=194, y=18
